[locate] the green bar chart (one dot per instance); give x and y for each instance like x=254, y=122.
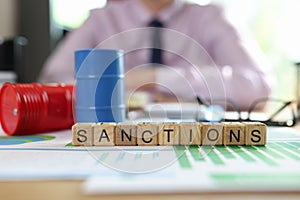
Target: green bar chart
x=271, y=154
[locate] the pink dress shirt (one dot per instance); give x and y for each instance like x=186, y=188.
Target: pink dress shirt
x=204, y=54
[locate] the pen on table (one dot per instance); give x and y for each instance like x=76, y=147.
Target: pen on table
x=202, y=101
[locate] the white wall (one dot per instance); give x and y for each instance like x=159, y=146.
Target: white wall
x=8, y=18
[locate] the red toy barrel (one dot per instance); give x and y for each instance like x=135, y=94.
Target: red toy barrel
x=32, y=108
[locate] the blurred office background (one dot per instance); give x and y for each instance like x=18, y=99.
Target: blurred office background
x=273, y=23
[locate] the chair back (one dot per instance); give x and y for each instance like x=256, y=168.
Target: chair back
x=12, y=56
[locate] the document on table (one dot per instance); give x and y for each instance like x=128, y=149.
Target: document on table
x=158, y=169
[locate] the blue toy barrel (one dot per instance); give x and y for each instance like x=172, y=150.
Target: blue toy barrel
x=99, y=75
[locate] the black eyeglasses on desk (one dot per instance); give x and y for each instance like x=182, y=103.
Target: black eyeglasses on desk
x=276, y=113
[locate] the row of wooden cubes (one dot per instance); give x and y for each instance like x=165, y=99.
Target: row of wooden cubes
x=168, y=133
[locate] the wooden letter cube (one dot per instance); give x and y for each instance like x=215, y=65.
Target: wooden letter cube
x=147, y=134
x=82, y=134
x=255, y=133
x=233, y=133
x=212, y=133
x=126, y=134
x=190, y=133
x=104, y=134
x=168, y=133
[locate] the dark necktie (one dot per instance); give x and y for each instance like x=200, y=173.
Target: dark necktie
x=156, y=45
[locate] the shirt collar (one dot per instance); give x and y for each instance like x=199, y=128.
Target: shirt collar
x=144, y=15
x=167, y=14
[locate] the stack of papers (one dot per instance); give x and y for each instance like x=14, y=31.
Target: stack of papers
x=135, y=169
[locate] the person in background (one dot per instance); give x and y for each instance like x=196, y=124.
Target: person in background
x=203, y=54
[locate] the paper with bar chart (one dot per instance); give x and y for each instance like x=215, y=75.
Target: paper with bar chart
x=136, y=169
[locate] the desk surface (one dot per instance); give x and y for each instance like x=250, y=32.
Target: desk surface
x=72, y=189
x=62, y=190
